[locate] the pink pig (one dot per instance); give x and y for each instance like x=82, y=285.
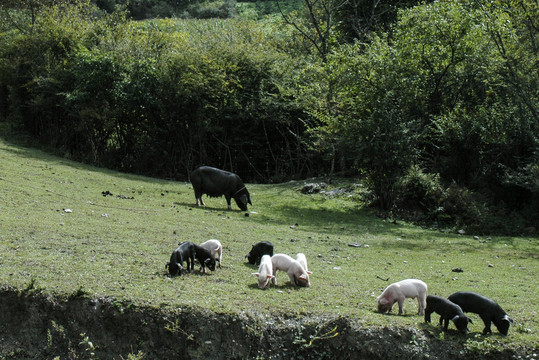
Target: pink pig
x=265, y=272
x=297, y=274
x=303, y=262
x=397, y=292
x=215, y=248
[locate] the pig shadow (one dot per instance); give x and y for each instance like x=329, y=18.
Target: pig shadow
x=436, y=330
x=395, y=313
x=250, y=266
x=281, y=287
x=192, y=206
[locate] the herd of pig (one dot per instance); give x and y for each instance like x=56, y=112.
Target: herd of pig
x=451, y=309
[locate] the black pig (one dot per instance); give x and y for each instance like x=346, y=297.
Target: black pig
x=447, y=311
x=205, y=258
x=258, y=250
x=215, y=182
x=488, y=310
x=184, y=252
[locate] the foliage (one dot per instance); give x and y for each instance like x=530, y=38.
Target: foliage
x=126, y=95
x=359, y=19
x=447, y=92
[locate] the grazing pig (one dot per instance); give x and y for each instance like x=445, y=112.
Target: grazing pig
x=215, y=248
x=205, y=258
x=397, y=292
x=488, y=310
x=184, y=252
x=447, y=311
x=265, y=272
x=297, y=274
x=303, y=262
x=259, y=249
x=215, y=182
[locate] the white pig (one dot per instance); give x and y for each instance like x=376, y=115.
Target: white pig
x=397, y=292
x=303, y=262
x=297, y=274
x=265, y=272
x=215, y=248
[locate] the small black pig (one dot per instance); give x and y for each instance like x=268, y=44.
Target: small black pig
x=204, y=257
x=488, y=310
x=258, y=250
x=184, y=252
x=447, y=311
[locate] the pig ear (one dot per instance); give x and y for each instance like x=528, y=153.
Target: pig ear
x=249, y=200
x=304, y=277
x=470, y=320
x=168, y=264
x=309, y=272
x=507, y=318
x=270, y=276
x=255, y=274
x=455, y=318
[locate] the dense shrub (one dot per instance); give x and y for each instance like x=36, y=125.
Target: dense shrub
x=157, y=98
x=445, y=90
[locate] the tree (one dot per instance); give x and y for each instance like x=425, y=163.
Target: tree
x=20, y=14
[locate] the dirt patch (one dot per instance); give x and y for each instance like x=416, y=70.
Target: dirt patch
x=37, y=326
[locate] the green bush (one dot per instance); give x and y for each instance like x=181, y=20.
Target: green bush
x=419, y=190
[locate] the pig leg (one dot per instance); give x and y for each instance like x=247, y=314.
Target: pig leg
x=486, y=320
x=198, y=197
x=220, y=257
x=400, y=301
x=427, y=316
x=422, y=304
x=191, y=264
x=274, y=278
x=292, y=278
x=228, y=202
x=446, y=323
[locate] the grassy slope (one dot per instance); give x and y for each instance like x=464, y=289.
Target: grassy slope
x=109, y=246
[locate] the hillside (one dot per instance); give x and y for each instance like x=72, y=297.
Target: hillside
x=83, y=250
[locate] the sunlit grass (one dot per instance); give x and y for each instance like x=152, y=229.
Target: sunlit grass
x=59, y=233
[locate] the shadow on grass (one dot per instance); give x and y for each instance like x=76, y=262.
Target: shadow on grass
x=27, y=149
x=329, y=221
x=395, y=314
x=437, y=331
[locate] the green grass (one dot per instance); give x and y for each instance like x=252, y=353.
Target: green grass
x=118, y=247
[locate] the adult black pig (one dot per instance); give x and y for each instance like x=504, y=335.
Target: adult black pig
x=215, y=182
x=488, y=310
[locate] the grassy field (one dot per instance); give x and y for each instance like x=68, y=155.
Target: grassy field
x=60, y=234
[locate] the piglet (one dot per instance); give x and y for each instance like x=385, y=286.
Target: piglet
x=397, y=292
x=265, y=272
x=184, y=252
x=303, y=262
x=215, y=248
x=297, y=274
x=447, y=311
x=487, y=308
x=259, y=249
x=205, y=258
